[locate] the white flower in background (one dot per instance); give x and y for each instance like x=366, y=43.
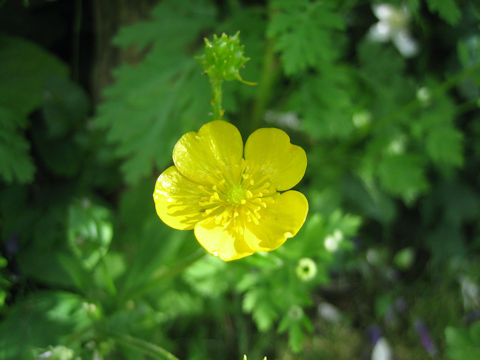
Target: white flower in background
x=470, y=293
x=393, y=25
x=329, y=312
x=287, y=119
x=382, y=350
x=331, y=242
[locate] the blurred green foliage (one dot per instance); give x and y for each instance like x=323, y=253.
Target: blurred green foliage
x=392, y=240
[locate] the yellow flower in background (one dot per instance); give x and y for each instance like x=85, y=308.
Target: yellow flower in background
x=230, y=196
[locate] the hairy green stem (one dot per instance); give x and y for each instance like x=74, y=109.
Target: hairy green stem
x=217, y=111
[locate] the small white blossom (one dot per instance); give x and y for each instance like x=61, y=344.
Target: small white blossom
x=332, y=242
x=393, y=25
x=287, y=119
x=470, y=293
x=382, y=350
x=329, y=312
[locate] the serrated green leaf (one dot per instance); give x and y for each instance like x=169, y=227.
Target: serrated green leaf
x=302, y=30
x=380, y=65
x=440, y=113
x=324, y=102
x=264, y=316
x=162, y=96
x=179, y=18
x=296, y=337
x=258, y=302
x=403, y=174
x=295, y=323
x=445, y=146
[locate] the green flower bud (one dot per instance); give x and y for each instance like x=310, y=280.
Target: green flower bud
x=223, y=57
x=306, y=269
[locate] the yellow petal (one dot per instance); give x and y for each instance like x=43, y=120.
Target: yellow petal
x=268, y=151
x=225, y=243
x=177, y=200
x=279, y=221
x=210, y=155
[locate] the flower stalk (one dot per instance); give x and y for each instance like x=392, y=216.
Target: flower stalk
x=222, y=59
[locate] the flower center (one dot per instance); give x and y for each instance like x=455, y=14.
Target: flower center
x=236, y=195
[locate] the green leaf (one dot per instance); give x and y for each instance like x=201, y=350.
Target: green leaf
x=207, y=277
x=463, y=344
x=153, y=102
x=447, y=9
x=380, y=65
x=19, y=95
x=257, y=301
x=65, y=106
x=30, y=66
x=295, y=322
x=324, y=102
x=445, y=146
x=40, y=320
x=15, y=161
x=89, y=231
x=303, y=32
x=403, y=174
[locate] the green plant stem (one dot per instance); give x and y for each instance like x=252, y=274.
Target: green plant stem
x=217, y=111
x=270, y=72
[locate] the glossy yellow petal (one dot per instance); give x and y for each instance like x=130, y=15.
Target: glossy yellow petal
x=221, y=241
x=177, y=200
x=277, y=222
x=268, y=151
x=210, y=155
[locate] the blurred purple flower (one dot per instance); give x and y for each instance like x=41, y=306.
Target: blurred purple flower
x=425, y=338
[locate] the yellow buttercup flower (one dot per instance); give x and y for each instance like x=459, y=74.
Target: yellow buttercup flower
x=232, y=197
